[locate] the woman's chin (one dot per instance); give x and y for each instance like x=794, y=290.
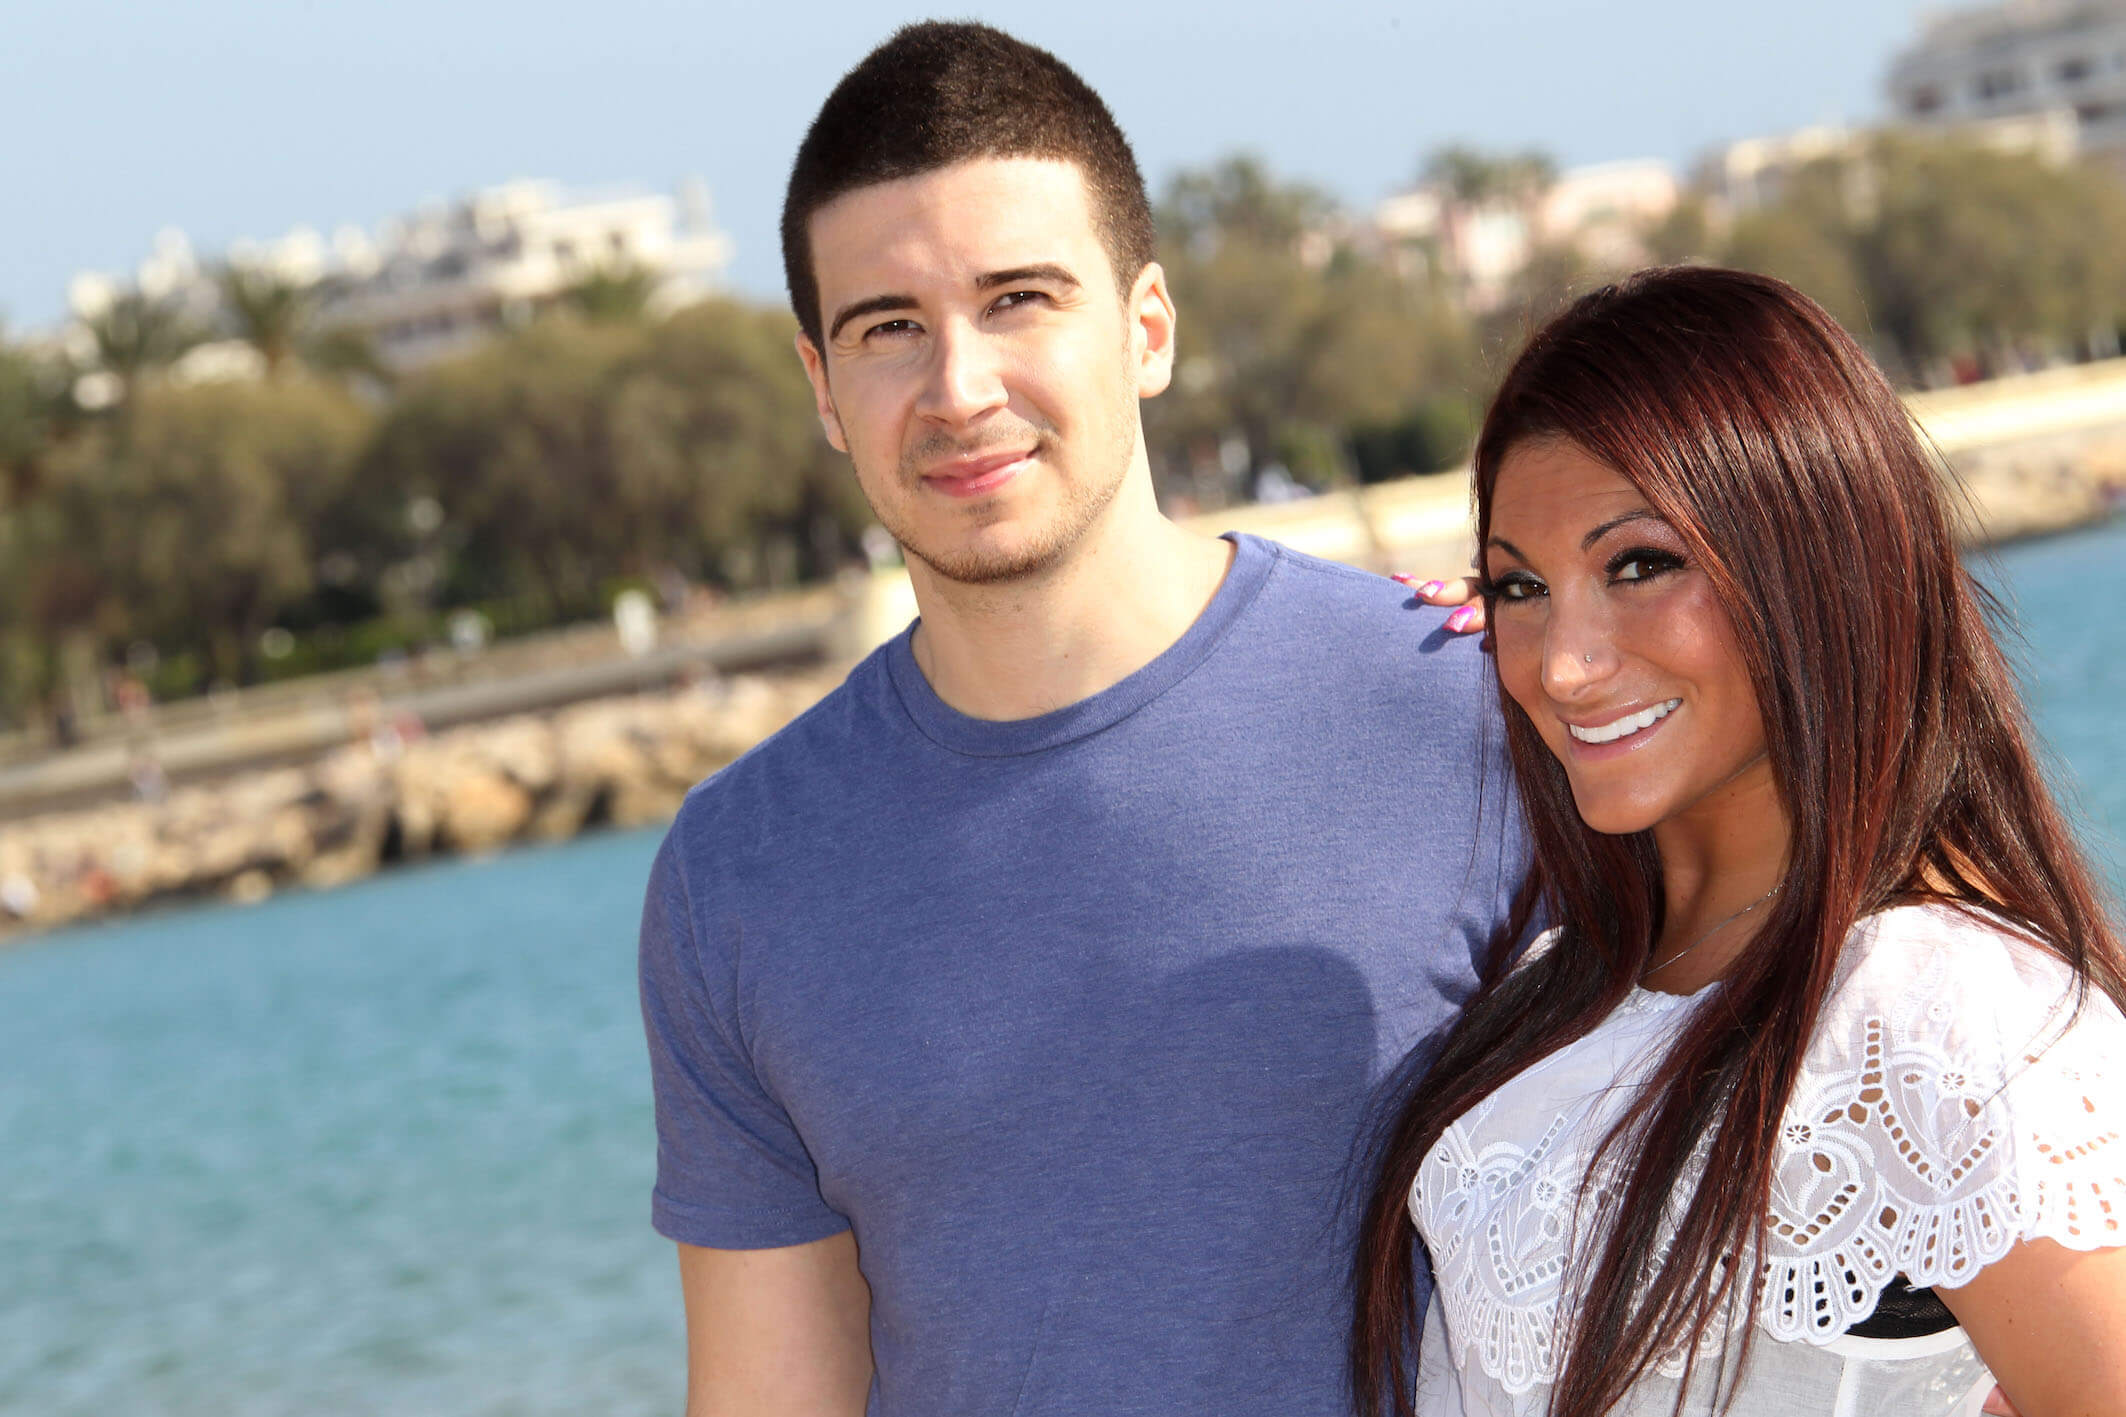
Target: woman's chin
x=1615, y=814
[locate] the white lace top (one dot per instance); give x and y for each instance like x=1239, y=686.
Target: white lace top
x=1947, y=1109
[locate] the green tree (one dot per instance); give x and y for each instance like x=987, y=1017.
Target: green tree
x=572, y=454
x=612, y=293
x=137, y=333
x=1289, y=337
x=266, y=311
x=716, y=423
x=280, y=319
x=1473, y=177
x=1939, y=248
x=36, y=410
x=194, y=530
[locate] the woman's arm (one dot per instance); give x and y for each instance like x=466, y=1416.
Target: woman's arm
x=2051, y=1324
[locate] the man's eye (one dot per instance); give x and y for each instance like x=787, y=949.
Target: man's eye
x=1014, y=299
x=891, y=327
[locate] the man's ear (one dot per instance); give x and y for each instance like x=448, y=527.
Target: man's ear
x=1151, y=308
x=830, y=422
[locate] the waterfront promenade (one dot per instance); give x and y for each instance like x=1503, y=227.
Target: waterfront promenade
x=316, y=782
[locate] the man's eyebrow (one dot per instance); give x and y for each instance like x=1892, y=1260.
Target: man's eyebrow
x=1045, y=270
x=871, y=306
x=1640, y=514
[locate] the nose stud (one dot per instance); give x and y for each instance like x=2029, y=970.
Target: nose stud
x=1589, y=658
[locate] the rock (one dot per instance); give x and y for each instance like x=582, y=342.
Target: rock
x=627, y=761
x=482, y=810
x=249, y=887
x=525, y=749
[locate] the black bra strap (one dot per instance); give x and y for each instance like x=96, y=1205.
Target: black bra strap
x=1905, y=1312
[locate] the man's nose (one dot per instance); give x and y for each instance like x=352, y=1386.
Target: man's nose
x=966, y=375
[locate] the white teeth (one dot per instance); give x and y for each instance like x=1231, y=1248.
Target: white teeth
x=1625, y=726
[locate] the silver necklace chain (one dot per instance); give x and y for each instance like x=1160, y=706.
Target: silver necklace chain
x=1718, y=926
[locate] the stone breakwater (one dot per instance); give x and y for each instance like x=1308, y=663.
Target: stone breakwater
x=627, y=761
x=395, y=797
x=2040, y=486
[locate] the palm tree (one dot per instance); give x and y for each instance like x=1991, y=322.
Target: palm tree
x=1475, y=178
x=267, y=312
x=138, y=332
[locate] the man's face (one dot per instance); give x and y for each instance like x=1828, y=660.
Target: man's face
x=980, y=369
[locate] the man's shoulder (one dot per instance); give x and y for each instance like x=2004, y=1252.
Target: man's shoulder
x=1366, y=626
x=794, y=770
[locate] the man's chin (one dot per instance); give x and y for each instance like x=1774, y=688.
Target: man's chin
x=1008, y=540
x=995, y=563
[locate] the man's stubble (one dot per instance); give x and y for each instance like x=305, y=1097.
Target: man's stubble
x=1082, y=505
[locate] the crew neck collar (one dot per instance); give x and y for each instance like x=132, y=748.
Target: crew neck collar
x=991, y=738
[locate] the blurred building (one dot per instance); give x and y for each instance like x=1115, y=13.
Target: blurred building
x=1754, y=172
x=434, y=283
x=442, y=279
x=1481, y=247
x=2063, y=60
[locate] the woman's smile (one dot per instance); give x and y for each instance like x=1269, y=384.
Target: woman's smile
x=1629, y=725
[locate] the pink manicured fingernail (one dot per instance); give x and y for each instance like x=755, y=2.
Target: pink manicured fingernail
x=1431, y=587
x=1400, y=579
x=1460, y=619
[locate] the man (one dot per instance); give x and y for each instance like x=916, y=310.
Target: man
x=1015, y=1013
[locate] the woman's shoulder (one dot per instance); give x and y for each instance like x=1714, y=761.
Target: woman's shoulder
x=1960, y=1094
x=1959, y=976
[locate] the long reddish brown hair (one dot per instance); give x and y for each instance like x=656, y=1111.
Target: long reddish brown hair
x=1760, y=431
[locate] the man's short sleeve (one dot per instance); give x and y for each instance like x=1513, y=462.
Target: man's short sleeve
x=732, y=1172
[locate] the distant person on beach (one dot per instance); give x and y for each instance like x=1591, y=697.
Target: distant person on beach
x=1013, y=1013
x=1813, y=1101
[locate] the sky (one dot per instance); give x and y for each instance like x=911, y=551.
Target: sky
x=232, y=119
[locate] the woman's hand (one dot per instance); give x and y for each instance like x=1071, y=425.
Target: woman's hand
x=1998, y=1405
x=1457, y=590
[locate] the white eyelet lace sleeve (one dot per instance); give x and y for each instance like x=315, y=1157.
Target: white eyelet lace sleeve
x=1951, y=1104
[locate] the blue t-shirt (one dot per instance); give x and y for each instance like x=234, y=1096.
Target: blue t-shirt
x=1075, y=1019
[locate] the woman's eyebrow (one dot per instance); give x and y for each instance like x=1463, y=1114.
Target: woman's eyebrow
x=1509, y=548
x=1640, y=514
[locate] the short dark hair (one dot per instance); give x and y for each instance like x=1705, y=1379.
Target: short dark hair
x=938, y=93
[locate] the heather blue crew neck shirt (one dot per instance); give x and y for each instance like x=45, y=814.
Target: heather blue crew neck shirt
x=1075, y=1019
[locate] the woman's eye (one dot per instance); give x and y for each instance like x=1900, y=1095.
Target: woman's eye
x=1643, y=565
x=1517, y=587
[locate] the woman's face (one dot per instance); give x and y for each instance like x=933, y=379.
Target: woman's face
x=1613, y=644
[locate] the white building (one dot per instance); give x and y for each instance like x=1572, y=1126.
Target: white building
x=446, y=278
x=1604, y=212
x=1754, y=172
x=2018, y=59
x=1601, y=213
x=443, y=279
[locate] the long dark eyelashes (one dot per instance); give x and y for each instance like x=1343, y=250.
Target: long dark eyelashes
x=1491, y=589
x=1653, y=558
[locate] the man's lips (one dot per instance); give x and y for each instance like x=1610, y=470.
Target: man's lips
x=975, y=476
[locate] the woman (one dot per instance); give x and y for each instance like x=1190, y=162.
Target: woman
x=1803, y=1106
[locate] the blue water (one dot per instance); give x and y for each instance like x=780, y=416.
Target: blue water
x=388, y=1150
x=2067, y=599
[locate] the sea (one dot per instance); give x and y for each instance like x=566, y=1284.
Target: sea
x=388, y=1149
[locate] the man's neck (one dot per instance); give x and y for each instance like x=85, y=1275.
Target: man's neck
x=1115, y=603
